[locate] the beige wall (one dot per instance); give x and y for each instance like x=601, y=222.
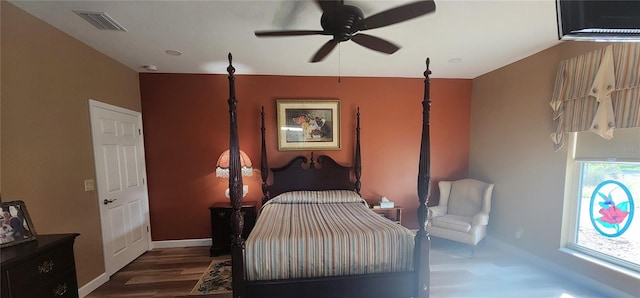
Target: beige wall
x=47, y=79
x=511, y=146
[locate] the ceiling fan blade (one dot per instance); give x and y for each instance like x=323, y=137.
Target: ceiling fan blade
x=287, y=14
x=328, y=5
x=290, y=33
x=375, y=43
x=324, y=50
x=399, y=14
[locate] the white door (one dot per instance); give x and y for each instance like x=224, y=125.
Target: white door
x=120, y=176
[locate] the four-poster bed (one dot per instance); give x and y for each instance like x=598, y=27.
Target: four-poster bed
x=279, y=258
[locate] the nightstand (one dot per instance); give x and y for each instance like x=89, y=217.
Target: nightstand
x=394, y=214
x=221, y=231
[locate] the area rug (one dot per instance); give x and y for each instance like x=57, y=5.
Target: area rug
x=216, y=279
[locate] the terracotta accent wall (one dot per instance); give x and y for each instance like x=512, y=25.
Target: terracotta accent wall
x=187, y=127
x=511, y=146
x=47, y=79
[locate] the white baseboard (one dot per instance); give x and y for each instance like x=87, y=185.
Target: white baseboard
x=561, y=271
x=181, y=243
x=93, y=285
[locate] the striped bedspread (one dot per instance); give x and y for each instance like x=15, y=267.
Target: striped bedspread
x=324, y=233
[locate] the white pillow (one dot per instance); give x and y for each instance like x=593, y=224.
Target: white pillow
x=317, y=197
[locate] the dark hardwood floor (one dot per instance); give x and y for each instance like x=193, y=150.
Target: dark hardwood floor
x=165, y=272
x=173, y=272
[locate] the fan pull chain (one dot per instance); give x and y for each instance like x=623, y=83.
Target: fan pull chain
x=339, y=63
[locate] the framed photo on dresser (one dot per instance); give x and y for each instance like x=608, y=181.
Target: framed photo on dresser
x=16, y=226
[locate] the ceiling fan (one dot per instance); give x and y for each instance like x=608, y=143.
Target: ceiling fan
x=344, y=22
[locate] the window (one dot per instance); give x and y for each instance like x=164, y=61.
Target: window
x=605, y=198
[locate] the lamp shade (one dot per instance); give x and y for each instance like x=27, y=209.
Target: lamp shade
x=222, y=166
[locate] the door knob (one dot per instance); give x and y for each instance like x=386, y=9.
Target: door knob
x=106, y=202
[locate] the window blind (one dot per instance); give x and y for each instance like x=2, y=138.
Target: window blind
x=625, y=146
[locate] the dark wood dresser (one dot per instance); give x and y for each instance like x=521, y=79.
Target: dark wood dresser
x=43, y=268
x=221, y=225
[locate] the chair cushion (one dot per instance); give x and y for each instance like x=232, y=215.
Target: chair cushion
x=453, y=222
x=466, y=197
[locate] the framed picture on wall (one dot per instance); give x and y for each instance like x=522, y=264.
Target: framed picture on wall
x=308, y=124
x=16, y=225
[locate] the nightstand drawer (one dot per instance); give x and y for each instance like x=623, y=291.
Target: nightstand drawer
x=222, y=215
x=221, y=230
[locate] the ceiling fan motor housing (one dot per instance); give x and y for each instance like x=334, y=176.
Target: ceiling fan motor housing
x=343, y=22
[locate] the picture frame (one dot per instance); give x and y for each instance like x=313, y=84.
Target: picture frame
x=16, y=226
x=308, y=124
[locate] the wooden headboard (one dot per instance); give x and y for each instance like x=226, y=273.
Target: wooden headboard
x=302, y=173
x=305, y=174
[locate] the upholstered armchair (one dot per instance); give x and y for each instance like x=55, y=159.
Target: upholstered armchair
x=463, y=211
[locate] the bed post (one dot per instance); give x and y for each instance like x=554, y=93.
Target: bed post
x=421, y=251
x=357, y=169
x=264, y=167
x=235, y=191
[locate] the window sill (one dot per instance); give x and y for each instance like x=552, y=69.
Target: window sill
x=599, y=262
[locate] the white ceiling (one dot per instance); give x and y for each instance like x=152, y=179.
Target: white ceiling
x=486, y=35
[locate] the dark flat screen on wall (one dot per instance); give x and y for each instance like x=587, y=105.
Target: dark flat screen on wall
x=606, y=20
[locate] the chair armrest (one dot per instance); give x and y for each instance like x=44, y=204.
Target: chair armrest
x=436, y=211
x=480, y=219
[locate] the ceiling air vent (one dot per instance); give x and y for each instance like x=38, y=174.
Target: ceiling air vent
x=100, y=20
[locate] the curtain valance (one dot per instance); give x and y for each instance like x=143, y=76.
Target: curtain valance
x=598, y=91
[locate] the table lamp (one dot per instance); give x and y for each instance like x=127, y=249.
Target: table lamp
x=222, y=169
